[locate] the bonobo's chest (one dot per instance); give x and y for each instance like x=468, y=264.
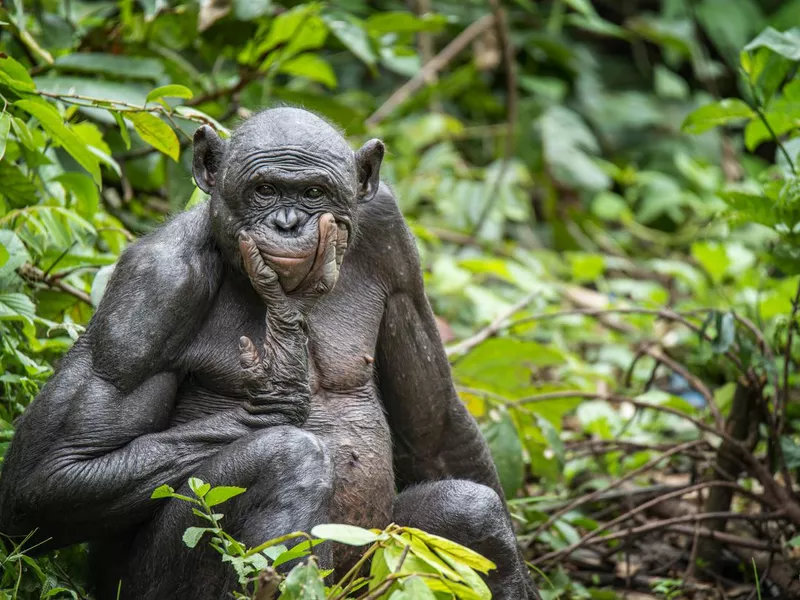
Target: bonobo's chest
x=343, y=330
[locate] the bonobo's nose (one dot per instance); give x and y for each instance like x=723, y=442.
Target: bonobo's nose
x=288, y=220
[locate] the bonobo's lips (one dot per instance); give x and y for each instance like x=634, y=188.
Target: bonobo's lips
x=302, y=263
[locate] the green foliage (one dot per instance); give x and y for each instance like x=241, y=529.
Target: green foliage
x=404, y=560
x=628, y=191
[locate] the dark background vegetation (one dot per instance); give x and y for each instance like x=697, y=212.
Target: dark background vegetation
x=608, y=215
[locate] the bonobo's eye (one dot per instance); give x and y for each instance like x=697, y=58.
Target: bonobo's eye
x=265, y=190
x=314, y=193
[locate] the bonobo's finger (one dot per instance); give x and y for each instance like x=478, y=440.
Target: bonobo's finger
x=330, y=264
x=262, y=277
x=341, y=242
x=248, y=355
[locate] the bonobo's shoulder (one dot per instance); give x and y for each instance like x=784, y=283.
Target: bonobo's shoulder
x=387, y=243
x=380, y=218
x=161, y=284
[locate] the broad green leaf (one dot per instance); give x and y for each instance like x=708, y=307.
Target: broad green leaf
x=15, y=306
x=297, y=551
x=713, y=257
x=5, y=126
x=568, y=148
x=4, y=255
x=791, y=452
x=310, y=66
x=84, y=191
x=463, y=554
x=162, y=491
x=468, y=575
x=414, y=588
x=716, y=114
x=169, y=91
x=14, y=75
x=220, y=494
x=127, y=67
x=507, y=451
x=304, y=582
x=786, y=44
x=99, y=284
x=248, y=10
x=794, y=542
x=350, y=31
x=198, y=486
x=382, y=23
x=300, y=28
x=156, y=133
x=123, y=128
x=53, y=124
x=16, y=186
x=192, y=535
x=24, y=134
x=198, y=197
x=345, y=534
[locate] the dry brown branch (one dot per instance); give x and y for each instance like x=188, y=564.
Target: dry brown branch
x=33, y=274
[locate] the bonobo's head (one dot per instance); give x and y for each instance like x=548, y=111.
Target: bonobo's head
x=290, y=182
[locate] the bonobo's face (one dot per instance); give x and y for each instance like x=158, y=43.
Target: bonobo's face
x=291, y=183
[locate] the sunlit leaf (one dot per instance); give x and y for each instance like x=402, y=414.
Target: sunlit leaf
x=156, y=133
x=218, y=495
x=716, y=114
x=345, y=534
x=169, y=91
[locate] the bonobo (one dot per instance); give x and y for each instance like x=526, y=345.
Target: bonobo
x=277, y=338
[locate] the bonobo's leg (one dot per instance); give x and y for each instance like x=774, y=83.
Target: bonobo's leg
x=472, y=515
x=288, y=474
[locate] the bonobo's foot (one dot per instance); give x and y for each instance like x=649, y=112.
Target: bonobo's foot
x=472, y=515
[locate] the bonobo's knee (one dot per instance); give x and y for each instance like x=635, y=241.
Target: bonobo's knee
x=284, y=453
x=465, y=509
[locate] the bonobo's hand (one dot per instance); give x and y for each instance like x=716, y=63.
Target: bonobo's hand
x=277, y=381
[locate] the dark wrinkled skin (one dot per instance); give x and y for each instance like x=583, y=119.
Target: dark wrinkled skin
x=322, y=402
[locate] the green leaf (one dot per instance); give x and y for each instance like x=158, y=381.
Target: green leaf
x=463, y=554
x=350, y=31
x=297, y=551
x=123, y=129
x=192, y=535
x=85, y=192
x=716, y=114
x=310, y=66
x=198, y=486
x=5, y=126
x=726, y=333
x=794, y=542
x=415, y=589
x=53, y=124
x=162, y=491
x=713, y=258
x=14, y=75
x=218, y=495
x=507, y=451
x=345, y=534
x=16, y=307
x=127, y=67
x=304, y=582
x=786, y=44
x=99, y=284
x=382, y=23
x=248, y=10
x=169, y=91
x=4, y=255
x=156, y=133
x=791, y=452
x=16, y=186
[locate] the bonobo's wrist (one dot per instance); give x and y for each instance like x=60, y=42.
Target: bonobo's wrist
x=277, y=412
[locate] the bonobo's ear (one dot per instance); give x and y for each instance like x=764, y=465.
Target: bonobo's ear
x=208, y=149
x=368, y=164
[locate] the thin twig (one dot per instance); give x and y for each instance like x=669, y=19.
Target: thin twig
x=453, y=49
x=36, y=275
x=512, y=102
x=490, y=330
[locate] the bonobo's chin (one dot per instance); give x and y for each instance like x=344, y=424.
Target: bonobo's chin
x=309, y=263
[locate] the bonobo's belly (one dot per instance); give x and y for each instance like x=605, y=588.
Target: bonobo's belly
x=354, y=428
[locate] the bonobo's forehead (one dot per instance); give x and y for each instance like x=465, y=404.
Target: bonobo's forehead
x=290, y=139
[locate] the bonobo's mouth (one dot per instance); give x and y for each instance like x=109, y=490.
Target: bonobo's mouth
x=309, y=262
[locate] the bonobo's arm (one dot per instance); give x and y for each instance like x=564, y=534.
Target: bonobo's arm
x=435, y=437
x=91, y=448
